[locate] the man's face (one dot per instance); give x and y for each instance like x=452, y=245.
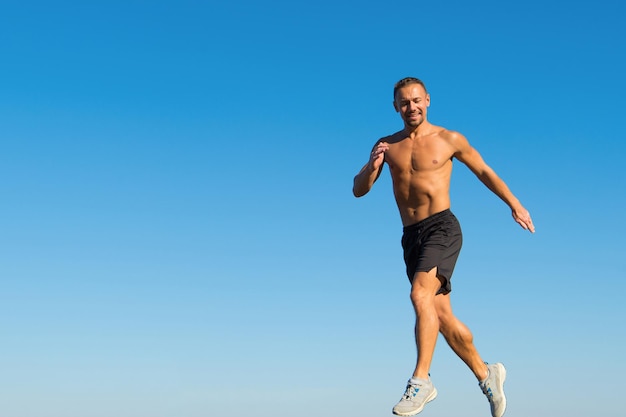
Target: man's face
x=412, y=102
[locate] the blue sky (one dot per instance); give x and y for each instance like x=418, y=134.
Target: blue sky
x=180, y=237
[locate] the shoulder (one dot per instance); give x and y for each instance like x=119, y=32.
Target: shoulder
x=455, y=139
x=449, y=135
x=393, y=138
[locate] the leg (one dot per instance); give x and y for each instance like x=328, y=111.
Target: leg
x=423, y=291
x=459, y=337
x=491, y=377
x=420, y=390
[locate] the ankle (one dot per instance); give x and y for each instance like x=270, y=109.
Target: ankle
x=483, y=373
x=421, y=376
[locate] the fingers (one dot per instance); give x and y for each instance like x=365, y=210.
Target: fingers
x=525, y=221
x=527, y=225
x=379, y=149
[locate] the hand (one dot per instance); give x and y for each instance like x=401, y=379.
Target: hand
x=522, y=217
x=377, y=157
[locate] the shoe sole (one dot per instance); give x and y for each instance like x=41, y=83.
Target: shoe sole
x=431, y=397
x=501, y=385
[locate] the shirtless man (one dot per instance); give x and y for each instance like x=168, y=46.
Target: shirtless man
x=420, y=161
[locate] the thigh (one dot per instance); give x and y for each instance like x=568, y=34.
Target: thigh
x=427, y=283
x=443, y=305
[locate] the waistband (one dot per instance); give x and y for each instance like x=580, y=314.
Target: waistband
x=428, y=220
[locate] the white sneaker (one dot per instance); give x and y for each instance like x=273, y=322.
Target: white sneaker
x=493, y=388
x=415, y=397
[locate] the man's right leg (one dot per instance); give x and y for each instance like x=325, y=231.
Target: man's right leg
x=420, y=389
x=423, y=296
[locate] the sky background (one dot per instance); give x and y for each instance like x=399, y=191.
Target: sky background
x=179, y=235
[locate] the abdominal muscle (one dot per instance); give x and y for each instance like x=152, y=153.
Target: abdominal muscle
x=420, y=170
x=421, y=195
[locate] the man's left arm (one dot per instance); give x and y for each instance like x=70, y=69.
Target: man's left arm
x=474, y=161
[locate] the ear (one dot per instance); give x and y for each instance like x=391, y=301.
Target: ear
x=427, y=100
x=395, y=106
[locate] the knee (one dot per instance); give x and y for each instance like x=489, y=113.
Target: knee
x=421, y=296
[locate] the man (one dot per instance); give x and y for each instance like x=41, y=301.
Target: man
x=420, y=161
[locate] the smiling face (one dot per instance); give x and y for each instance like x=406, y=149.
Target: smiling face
x=412, y=102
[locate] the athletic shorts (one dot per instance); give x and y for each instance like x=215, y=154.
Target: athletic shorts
x=433, y=242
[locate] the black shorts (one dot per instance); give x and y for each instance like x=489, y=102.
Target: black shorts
x=433, y=242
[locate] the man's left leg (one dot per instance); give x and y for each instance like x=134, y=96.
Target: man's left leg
x=459, y=337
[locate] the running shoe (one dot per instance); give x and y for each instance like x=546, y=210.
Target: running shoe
x=417, y=394
x=493, y=388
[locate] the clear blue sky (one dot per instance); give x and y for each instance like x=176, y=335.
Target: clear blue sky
x=179, y=237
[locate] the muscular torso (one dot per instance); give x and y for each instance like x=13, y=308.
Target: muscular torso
x=420, y=169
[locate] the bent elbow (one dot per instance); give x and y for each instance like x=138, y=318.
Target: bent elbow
x=358, y=191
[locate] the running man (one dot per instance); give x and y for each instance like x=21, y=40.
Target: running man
x=420, y=161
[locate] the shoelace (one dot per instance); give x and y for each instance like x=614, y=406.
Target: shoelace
x=408, y=394
x=487, y=391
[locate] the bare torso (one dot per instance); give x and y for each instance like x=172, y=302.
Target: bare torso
x=420, y=161
x=420, y=166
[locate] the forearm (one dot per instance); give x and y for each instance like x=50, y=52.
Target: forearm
x=499, y=188
x=364, y=180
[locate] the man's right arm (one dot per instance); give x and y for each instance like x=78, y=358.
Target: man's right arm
x=365, y=179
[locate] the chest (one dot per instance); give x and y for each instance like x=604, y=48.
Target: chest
x=410, y=155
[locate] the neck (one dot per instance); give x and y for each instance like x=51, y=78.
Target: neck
x=418, y=130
